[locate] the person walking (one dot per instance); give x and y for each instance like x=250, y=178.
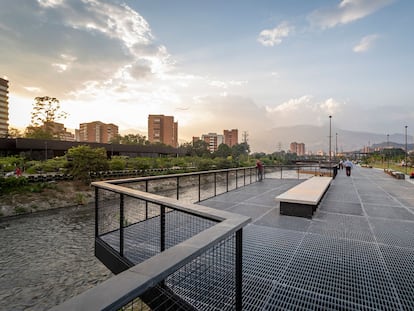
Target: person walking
x=348, y=166
x=259, y=167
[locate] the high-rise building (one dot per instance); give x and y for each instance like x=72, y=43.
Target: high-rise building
x=213, y=140
x=163, y=129
x=4, y=107
x=298, y=148
x=97, y=132
x=231, y=137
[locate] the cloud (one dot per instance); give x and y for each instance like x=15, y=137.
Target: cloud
x=272, y=37
x=365, y=44
x=226, y=84
x=67, y=46
x=216, y=113
x=303, y=110
x=346, y=12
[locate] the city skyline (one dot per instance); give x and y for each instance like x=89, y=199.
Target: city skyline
x=247, y=65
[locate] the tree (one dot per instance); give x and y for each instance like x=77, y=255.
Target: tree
x=134, y=139
x=46, y=111
x=14, y=133
x=238, y=150
x=223, y=151
x=84, y=159
x=198, y=148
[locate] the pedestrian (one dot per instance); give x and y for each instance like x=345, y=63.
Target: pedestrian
x=341, y=164
x=259, y=167
x=18, y=172
x=348, y=166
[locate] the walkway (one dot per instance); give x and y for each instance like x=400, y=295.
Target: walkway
x=357, y=253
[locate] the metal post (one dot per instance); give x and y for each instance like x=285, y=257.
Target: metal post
x=388, y=146
x=336, y=145
x=244, y=177
x=121, y=225
x=236, y=177
x=215, y=183
x=162, y=226
x=227, y=181
x=146, y=202
x=178, y=187
x=406, y=150
x=96, y=212
x=239, y=271
x=199, y=187
x=330, y=118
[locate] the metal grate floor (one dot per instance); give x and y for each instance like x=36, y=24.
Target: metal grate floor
x=357, y=253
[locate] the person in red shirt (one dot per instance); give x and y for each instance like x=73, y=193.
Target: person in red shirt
x=259, y=167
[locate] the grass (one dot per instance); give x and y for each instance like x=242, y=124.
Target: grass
x=392, y=166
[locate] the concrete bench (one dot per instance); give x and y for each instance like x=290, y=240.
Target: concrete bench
x=303, y=199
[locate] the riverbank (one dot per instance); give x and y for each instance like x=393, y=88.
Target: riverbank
x=49, y=196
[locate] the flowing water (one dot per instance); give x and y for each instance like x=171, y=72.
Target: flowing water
x=47, y=257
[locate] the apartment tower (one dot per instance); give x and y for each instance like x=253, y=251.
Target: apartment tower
x=4, y=107
x=213, y=140
x=231, y=137
x=163, y=129
x=298, y=148
x=97, y=132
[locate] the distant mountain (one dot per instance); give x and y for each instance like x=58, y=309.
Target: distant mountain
x=316, y=138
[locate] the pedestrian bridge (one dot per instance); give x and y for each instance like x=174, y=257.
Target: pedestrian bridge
x=356, y=253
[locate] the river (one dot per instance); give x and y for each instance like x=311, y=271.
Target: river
x=48, y=257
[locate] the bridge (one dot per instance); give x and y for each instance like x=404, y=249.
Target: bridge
x=356, y=253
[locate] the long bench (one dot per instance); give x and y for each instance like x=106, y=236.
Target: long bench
x=303, y=199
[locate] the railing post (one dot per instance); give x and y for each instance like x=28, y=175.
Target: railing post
x=244, y=177
x=215, y=183
x=281, y=172
x=236, y=177
x=199, y=187
x=96, y=212
x=121, y=225
x=146, y=202
x=162, y=226
x=178, y=187
x=227, y=181
x=250, y=171
x=239, y=271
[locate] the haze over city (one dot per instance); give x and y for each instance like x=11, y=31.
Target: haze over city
x=213, y=65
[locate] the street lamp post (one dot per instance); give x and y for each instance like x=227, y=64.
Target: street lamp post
x=406, y=150
x=336, y=145
x=388, y=147
x=330, y=118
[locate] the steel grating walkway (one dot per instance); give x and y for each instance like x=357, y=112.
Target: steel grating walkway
x=357, y=253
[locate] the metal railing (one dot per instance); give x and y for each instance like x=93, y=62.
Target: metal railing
x=166, y=250
x=172, y=253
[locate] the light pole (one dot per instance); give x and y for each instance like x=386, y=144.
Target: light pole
x=406, y=150
x=336, y=145
x=388, y=147
x=330, y=118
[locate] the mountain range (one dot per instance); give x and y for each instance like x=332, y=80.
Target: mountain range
x=317, y=139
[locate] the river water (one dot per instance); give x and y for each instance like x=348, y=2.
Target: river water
x=48, y=257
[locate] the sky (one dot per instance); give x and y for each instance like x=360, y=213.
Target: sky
x=213, y=65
